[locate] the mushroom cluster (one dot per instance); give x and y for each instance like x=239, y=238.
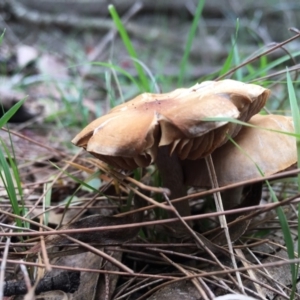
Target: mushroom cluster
x=172, y=131
x=130, y=134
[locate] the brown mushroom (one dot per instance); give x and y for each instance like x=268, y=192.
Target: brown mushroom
x=268, y=150
x=167, y=128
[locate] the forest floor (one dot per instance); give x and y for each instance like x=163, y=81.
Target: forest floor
x=74, y=67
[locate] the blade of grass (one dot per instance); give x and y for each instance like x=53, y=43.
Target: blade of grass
x=16, y=175
x=271, y=65
x=9, y=185
x=71, y=198
x=2, y=36
x=189, y=43
x=6, y=116
x=76, y=179
x=81, y=184
x=17, y=179
x=227, y=65
x=263, y=64
x=237, y=60
x=6, y=176
x=296, y=119
x=110, y=90
x=225, y=120
x=144, y=84
x=118, y=69
x=269, y=50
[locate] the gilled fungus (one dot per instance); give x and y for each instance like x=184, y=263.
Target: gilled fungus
x=170, y=128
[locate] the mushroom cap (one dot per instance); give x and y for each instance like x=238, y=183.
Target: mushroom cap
x=271, y=151
x=130, y=134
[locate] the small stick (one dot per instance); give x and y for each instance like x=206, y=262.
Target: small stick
x=222, y=218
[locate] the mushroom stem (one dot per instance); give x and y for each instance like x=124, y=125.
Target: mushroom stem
x=172, y=178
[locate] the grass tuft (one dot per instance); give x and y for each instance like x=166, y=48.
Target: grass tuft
x=191, y=37
x=228, y=62
x=9, y=171
x=144, y=83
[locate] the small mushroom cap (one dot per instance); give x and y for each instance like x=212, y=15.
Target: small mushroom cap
x=130, y=134
x=271, y=151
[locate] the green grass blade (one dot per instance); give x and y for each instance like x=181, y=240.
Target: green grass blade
x=118, y=69
x=237, y=60
x=8, y=182
x=6, y=176
x=144, y=84
x=16, y=176
x=2, y=36
x=5, y=118
x=271, y=65
x=235, y=121
x=189, y=43
x=82, y=183
x=227, y=65
x=263, y=64
x=296, y=119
